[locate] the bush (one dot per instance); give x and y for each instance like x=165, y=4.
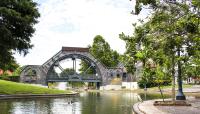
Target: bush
x=154, y=77
x=123, y=87
x=10, y=78
x=141, y=83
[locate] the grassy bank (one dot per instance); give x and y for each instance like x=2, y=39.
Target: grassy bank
x=170, y=87
x=165, y=89
x=9, y=88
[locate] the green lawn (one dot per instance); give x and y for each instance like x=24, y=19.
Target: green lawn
x=165, y=88
x=7, y=87
x=170, y=86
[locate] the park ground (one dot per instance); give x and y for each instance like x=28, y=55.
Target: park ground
x=193, y=97
x=13, y=88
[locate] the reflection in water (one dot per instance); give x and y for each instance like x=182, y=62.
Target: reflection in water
x=40, y=106
x=108, y=103
x=87, y=103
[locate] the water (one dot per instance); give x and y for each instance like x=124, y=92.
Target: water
x=86, y=103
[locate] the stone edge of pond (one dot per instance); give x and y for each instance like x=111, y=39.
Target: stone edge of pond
x=21, y=96
x=136, y=109
x=146, y=107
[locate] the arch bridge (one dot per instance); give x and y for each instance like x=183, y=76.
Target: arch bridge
x=42, y=74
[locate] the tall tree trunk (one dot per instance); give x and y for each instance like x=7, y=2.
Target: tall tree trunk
x=161, y=92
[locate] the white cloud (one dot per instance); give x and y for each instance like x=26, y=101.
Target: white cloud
x=76, y=23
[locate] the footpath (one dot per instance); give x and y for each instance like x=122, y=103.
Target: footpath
x=147, y=107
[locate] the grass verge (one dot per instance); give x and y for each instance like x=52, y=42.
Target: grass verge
x=165, y=89
x=9, y=88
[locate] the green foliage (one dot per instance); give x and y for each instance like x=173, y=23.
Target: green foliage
x=128, y=57
x=31, y=72
x=141, y=83
x=76, y=84
x=17, y=71
x=67, y=71
x=16, y=28
x=146, y=79
x=196, y=3
x=11, y=66
x=4, y=77
x=15, y=74
x=180, y=30
x=129, y=63
x=139, y=3
x=154, y=77
x=170, y=37
x=86, y=68
x=101, y=50
x=10, y=78
x=191, y=69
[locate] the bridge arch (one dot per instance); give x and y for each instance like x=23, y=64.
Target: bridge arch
x=42, y=71
x=77, y=56
x=30, y=73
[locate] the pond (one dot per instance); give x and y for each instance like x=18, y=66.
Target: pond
x=113, y=102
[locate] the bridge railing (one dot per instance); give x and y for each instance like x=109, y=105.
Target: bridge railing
x=54, y=56
x=90, y=77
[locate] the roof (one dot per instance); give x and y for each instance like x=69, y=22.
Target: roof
x=77, y=49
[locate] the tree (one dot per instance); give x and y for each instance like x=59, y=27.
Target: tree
x=101, y=50
x=160, y=78
x=17, y=18
x=12, y=66
x=86, y=68
x=174, y=25
x=131, y=50
x=17, y=71
x=66, y=72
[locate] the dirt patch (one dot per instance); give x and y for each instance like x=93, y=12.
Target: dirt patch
x=171, y=103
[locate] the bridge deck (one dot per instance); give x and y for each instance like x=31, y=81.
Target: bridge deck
x=77, y=49
x=72, y=80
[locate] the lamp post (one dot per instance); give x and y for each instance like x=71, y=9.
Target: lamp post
x=180, y=95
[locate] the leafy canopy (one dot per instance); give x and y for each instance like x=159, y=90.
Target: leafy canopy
x=173, y=28
x=101, y=50
x=17, y=18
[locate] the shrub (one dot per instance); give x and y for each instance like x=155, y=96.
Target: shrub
x=10, y=78
x=141, y=83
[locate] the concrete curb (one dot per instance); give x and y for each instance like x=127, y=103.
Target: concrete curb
x=147, y=107
x=136, y=109
x=21, y=96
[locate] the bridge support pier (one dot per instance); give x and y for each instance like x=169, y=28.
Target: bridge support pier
x=98, y=85
x=74, y=64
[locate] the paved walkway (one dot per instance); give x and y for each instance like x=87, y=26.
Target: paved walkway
x=193, y=89
x=147, y=107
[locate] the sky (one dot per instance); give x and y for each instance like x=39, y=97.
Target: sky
x=74, y=23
